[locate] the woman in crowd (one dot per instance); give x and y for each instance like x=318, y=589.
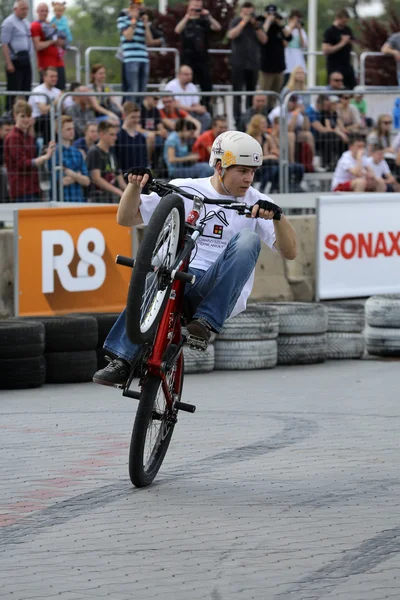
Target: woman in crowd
x=295, y=49
x=349, y=115
x=297, y=83
x=258, y=129
x=105, y=106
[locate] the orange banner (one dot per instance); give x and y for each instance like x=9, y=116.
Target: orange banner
x=65, y=260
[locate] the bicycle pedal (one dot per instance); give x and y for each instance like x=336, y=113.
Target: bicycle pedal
x=196, y=343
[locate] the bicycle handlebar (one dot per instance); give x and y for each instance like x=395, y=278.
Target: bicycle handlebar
x=242, y=208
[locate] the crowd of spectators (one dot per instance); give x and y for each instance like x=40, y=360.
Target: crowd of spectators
x=102, y=136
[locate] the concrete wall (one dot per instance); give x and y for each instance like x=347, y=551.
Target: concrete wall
x=276, y=280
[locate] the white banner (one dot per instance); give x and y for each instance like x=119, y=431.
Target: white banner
x=358, y=245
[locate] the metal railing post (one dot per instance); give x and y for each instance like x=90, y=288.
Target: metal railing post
x=78, y=62
x=115, y=49
x=363, y=58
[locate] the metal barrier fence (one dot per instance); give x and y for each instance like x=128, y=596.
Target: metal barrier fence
x=115, y=49
x=77, y=60
x=329, y=145
x=296, y=159
x=46, y=179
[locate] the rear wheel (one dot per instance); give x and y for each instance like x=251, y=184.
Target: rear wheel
x=154, y=425
x=149, y=288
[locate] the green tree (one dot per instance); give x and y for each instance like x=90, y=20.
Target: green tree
x=6, y=7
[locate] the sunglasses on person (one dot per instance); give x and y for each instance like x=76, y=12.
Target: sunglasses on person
x=387, y=122
x=338, y=79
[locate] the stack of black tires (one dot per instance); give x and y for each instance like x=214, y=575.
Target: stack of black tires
x=22, y=345
x=38, y=350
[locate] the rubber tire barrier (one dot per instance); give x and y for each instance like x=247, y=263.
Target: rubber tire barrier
x=196, y=361
x=301, y=349
x=22, y=373
x=245, y=354
x=261, y=323
x=382, y=341
x=383, y=311
x=342, y=345
x=69, y=333
x=346, y=317
x=21, y=339
x=296, y=318
x=105, y=322
x=70, y=367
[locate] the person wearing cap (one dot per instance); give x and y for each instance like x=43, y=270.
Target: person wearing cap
x=226, y=253
x=135, y=35
x=273, y=53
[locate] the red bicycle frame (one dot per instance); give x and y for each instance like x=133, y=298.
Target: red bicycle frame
x=169, y=330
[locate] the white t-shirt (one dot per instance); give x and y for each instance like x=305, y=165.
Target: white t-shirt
x=34, y=101
x=175, y=88
x=276, y=112
x=380, y=169
x=221, y=225
x=342, y=172
x=294, y=53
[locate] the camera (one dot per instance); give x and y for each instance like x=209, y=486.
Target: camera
x=198, y=10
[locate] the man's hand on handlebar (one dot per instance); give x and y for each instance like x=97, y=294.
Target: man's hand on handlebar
x=264, y=209
x=138, y=177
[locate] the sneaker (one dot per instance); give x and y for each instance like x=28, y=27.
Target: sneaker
x=199, y=329
x=115, y=373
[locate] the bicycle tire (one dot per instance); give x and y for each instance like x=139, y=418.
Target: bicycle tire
x=141, y=474
x=170, y=206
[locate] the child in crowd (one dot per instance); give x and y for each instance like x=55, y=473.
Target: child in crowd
x=60, y=21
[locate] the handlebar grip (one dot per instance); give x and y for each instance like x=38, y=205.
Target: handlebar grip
x=126, y=261
x=186, y=277
x=277, y=215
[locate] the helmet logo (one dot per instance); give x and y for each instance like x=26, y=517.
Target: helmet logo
x=228, y=159
x=256, y=157
x=217, y=146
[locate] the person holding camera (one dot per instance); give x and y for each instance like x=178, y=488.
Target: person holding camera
x=17, y=46
x=273, y=52
x=136, y=35
x=194, y=30
x=247, y=36
x=294, y=51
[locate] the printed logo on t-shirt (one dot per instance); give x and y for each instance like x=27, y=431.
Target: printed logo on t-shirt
x=216, y=230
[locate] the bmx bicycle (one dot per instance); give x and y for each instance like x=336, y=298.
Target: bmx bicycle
x=154, y=319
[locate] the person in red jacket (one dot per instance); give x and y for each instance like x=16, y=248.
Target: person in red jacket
x=204, y=142
x=48, y=43
x=20, y=157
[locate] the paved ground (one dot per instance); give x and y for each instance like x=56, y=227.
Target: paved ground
x=283, y=486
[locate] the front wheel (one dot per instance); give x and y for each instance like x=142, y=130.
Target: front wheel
x=149, y=290
x=154, y=425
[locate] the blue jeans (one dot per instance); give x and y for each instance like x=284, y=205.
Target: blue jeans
x=212, y=296
x=136, y=76
x=200, y=170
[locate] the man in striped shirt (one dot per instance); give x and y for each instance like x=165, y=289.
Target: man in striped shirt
x=135, y=32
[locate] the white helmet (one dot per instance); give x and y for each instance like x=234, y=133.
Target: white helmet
x=236, y=148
